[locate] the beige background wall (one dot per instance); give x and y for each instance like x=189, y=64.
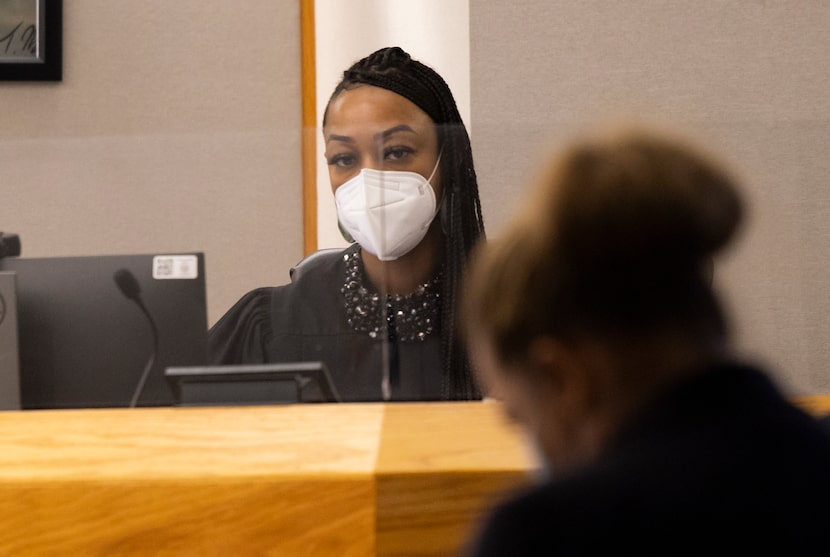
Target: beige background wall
x=176, y=128
x=748, y=79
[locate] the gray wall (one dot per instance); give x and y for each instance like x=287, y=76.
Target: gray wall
x=748, y=79
x=176, y=128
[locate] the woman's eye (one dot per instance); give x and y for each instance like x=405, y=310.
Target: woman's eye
x=342, y=160
x=397, y=153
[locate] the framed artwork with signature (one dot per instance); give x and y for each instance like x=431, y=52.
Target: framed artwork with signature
x=31, y=40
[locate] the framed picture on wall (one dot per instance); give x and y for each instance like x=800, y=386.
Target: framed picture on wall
x=31, y=40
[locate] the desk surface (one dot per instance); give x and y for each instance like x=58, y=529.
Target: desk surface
x=315, y=479
x=329, y=480
x=817, y=405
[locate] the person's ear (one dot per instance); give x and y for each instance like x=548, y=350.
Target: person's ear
x=544, y=360
x=444, y=213
x=561, y=375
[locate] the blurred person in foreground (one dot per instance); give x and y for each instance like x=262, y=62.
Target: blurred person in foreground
x=592, y=319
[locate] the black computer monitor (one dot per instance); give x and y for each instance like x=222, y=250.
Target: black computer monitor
x=86, y=341
x=230, y=385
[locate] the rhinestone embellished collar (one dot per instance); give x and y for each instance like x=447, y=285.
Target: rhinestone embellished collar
x=407, y=318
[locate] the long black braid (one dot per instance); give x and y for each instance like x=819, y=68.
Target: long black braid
x=393, y=69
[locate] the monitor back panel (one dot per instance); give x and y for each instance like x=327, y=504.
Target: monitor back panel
x=84, y=344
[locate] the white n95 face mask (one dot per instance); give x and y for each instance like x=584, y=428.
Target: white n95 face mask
x=387, y=212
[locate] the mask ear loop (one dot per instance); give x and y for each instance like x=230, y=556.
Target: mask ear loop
x=435, y=168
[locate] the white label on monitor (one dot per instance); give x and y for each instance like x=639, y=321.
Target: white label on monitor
x=175, y=267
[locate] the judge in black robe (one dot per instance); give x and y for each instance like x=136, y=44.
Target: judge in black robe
x=306, y=320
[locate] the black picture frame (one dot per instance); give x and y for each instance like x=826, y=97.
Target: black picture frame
x=47, y=63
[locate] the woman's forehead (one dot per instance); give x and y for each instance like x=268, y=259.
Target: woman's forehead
x=367, y=106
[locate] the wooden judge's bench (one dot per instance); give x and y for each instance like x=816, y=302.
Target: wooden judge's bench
x=295, y=480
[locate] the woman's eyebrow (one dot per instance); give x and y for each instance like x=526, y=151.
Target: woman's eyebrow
x=377, y=137
x=342, y=138
x=393, y=130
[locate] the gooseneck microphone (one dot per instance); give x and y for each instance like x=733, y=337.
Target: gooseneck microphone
x=129, y=286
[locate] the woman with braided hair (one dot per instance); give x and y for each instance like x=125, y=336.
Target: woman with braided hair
x=381, y=313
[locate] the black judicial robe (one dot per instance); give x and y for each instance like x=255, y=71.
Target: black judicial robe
x=721, y=464
x=305, y=320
